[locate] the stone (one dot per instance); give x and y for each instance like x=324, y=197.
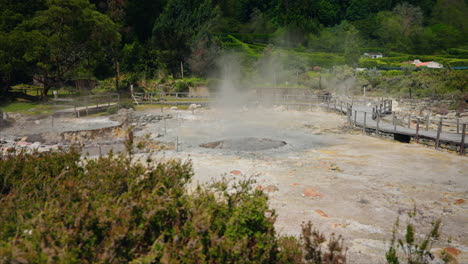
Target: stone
x=452, y=251
x=23, y=144
x=459, y=201
x=193, y=106
x=259, y=187
x=174, y=108
x=295, y=184
x=321, y=213
x=271, y=188
x=236, y=172
x=309, y=192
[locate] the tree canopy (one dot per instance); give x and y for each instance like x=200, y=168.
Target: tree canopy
x=55, y=41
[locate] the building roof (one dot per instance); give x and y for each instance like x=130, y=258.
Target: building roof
x=424, y=63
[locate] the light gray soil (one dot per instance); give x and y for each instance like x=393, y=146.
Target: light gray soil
x=362, y=183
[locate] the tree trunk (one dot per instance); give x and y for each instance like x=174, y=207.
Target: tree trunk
x=45, y=91
x=117, y=75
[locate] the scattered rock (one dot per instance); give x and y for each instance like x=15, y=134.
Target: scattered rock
x=271, y=188
x=236, y=172
x=259, y=187
x=363, y=201
x=309, y=192
x=459, y=201
x=452, y=251
x=321, y=213
x=174, y=108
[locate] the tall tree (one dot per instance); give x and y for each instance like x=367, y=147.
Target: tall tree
x=180, y=23
x=68, y=35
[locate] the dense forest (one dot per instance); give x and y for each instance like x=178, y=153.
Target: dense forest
x=56, y=41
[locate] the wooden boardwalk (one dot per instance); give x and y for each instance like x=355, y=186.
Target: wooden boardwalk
x=365, y=114
x=362, y=116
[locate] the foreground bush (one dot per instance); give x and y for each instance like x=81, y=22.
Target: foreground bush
x=57, y=208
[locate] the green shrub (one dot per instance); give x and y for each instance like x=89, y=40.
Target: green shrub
x=371, y=63
x=57, y=208
x=113, y=109
x=406, y=247
x=182, y=86
x=127, y=105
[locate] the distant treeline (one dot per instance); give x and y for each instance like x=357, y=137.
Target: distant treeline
x=55, y=41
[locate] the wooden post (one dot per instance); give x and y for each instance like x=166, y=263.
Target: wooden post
x=378, y=121
x=458, y=125
x=182, y=69
x=439, y=129
x=364, y=125
x=462, y=143
x=417, y=131
x=335, y=105
x=427, y=122
x=341, y=107
x=355, y=116
x=409, y=120
x=394, y=122
x=348, y=113
x=177, y=144
x=162, y=110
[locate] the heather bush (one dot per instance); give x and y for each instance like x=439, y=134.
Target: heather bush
x=60, y=208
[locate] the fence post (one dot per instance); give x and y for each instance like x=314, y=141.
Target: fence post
x=341, y=107
x=364, y=125
x=355, y=116
x=348, y=113
x=439, y=129
x=458, y=125
x=378, y=121
x=409, y=120
x=417, y=130
x=427, y=122
x=462, y=143
x=394, y=122
x=86, y=106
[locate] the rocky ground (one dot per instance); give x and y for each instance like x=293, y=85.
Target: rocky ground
x=344, y=182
